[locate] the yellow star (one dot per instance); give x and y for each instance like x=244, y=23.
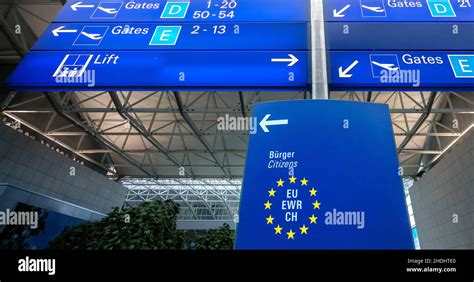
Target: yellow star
x=280, y=183
x=304, y=182
x=313, y=219
x=316, y=205
x=291, y=234
x=271, y=193
x=270, y=219
x=313, y=192
x=292, y=179
x=278, y=229
x=268, y=205
x=304, y=229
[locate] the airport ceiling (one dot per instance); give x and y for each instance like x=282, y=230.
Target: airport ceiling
x=174, y=134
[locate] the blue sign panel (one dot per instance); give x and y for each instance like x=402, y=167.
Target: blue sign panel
x=129, y=36
x=82, y=70
x=399, y=10
x=402, y=70
x=402, y=36
x=185, y=11
x=324, y=180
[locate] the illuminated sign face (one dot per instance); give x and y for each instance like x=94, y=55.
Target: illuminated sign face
x=162, y=70
x=398, y=10
x=393, y=45
x=185, y=11
x=171, y=45
x=184, y=36
x=402, y=70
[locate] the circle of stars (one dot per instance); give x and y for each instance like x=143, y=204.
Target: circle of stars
x=303, y=230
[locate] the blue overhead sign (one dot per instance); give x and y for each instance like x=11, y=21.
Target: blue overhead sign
x=171, y=45
x=399, y=10
x=322, y=175
x=185, y=11
x=197, y=36
x=400, y=36
x=402, y=70
x=180, y=70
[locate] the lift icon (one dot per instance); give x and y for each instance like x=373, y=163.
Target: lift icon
x=73, y=65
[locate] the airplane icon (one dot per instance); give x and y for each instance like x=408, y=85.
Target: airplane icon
x=108, y=10
x=389, y=67
x=374, y=9
x=93, y=36
x=382, y=64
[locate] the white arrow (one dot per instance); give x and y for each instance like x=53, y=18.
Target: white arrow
x=338, y=14
x=77, y=5
x=62, y=30
x=265, y=122
x=344, y=73
x=292, y=60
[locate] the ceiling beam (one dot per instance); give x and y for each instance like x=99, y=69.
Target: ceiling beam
x=121, y=110
x=97, y=138
x=419, y=122
x=197, y=132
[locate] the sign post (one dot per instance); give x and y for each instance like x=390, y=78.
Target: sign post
x=319, y=89
x=325, y=181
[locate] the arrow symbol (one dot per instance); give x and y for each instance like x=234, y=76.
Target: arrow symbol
x=291, y=61
x=78, y=5
x=344, y=73
x=62, y=30
x=339, y=14
x=265, y=122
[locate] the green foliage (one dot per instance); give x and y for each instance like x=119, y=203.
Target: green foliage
x=221, y=238
x=150, y=226
x=191, y=236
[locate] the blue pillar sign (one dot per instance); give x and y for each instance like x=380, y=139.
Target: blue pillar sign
x=184, y=11
x=309, y=179
x=399, y=10
x=395, y=70
x=190, y=36
x=167, y=70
